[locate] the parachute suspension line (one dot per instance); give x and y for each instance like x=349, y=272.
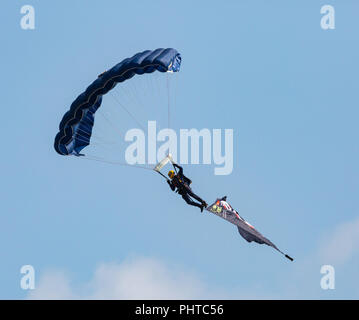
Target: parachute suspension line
x=93, y=143
x=151, y=88
x=168, y=99
x=157, y=96
x=137, y=96
x=161, y=90
x=94, y=158
x=157, y=89
x=97, y=138
x=115, y=127
x=130, y=94
x=128, y=112
x=175, y=91
x=96, y=143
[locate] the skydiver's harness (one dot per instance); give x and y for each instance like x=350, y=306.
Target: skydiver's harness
x=181, y=184
x=180, y=181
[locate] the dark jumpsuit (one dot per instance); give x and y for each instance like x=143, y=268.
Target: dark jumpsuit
x=181, y=182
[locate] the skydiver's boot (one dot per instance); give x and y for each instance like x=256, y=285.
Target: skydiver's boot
x=197, y=205
x=204, y=205
x=224, y=198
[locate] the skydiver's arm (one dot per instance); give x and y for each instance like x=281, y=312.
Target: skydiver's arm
x=180, y=169
x=171, y=185
x=188, y=180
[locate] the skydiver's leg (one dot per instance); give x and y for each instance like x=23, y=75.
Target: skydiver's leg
x=189, y=201
x=193, y=195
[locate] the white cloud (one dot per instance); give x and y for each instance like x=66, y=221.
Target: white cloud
x=144, y=278
x=149, y=278
x=342, y=244
x=53, y=285
x=140, y=278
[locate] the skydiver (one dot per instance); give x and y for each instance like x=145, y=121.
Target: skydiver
x=181, y=184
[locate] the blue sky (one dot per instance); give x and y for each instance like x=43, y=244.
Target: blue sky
x=265, y=69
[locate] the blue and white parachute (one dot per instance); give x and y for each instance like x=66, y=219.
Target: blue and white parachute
x=77, y=124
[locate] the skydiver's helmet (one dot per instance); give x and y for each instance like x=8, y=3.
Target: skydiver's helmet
x=171, y=174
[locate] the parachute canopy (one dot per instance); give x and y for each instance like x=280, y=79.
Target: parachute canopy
x=76, y=126
x=224, y=210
